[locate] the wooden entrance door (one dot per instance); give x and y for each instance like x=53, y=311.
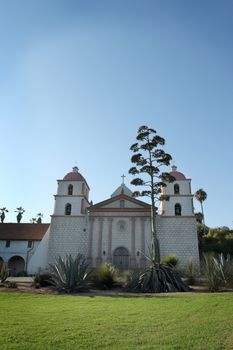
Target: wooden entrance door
x=121, y=258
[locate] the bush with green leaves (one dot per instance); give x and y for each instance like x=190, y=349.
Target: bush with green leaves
x=70, y=274
x=105, y=275
x=4, y=271
x=170, y=260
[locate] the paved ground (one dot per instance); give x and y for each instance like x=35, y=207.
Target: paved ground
x=20, y=279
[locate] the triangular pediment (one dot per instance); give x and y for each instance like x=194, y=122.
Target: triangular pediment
x=120, y=202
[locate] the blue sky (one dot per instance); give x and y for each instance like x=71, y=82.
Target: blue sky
x=77, y=79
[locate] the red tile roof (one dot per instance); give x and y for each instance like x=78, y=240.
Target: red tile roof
x=73, y=177
x=17, y=232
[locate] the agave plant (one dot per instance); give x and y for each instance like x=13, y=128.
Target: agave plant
x=4, y=272
x=69, y=274
x=157, y=278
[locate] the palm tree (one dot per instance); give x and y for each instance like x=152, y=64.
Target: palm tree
x=201, y=196
x=33, y=220
x=199, y=217
x=20, y=212
x=39, y=218
x=2, y=212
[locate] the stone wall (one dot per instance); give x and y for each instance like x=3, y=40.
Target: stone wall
x=68, y=235
x=178, y=235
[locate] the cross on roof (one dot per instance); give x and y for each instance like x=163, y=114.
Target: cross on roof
x=123, y=179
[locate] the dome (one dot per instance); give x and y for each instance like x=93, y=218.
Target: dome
x=177, y=174
x=74, y=175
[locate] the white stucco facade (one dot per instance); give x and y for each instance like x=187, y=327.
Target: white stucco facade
x=116, y=230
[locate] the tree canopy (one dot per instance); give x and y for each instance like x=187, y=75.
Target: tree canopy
x=149, y=159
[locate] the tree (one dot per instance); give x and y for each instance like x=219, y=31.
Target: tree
x=33, y=220
x=199, y=217
x=149, y=158
x=20, y=212
x=39, y=218
x=201, y=196
x=2, y=212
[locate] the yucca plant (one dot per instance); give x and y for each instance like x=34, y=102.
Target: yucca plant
x=218, y=271
x=4, y=272
x=69, y=274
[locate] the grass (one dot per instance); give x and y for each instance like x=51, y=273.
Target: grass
x=46, y=322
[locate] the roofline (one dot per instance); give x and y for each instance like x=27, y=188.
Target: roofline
x=120, y=196
x=75, y=181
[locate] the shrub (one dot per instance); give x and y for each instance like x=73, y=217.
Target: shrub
x=42, y=280
x=10, y=284
x=70, y=274
x=132, y=279
x=170, y=260
x=4, y=272
x=105, y=275
x=190, y=272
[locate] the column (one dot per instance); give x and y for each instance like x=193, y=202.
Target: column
x=100, y=240
x=90, y=241
x=133, y=252
x=109, y=256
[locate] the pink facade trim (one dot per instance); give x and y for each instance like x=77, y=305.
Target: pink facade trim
x=110, y=220
x=133, y=237
x=100, y=239
x=143, y=235
x=117, y=213
x=90, y=238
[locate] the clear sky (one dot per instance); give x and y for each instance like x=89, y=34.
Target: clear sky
x=77, y=79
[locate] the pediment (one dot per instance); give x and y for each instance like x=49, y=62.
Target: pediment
x=116, y=202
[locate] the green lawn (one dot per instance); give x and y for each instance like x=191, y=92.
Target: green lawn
x=32, y=321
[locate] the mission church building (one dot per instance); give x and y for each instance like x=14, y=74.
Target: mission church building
x=116, y=230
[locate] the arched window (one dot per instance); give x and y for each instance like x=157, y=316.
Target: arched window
x=177, y=209
x=176, y=189
x=68, y=209
x=83, y=188
x=70, y=189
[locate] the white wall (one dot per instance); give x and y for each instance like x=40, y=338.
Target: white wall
x=38, y=261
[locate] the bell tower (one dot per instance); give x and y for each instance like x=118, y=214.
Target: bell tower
x=72, y=195
x=68, y=229
x=180, y=201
